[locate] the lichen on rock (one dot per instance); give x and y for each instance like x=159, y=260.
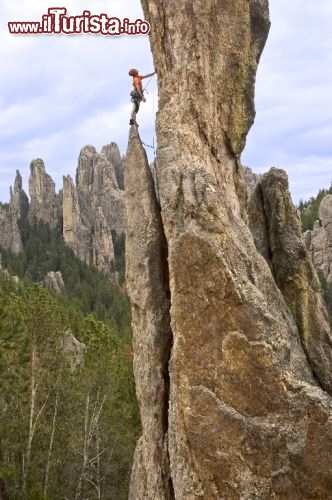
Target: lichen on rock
x=291, y=265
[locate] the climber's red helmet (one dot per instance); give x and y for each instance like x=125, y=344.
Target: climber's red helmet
x=133, y=72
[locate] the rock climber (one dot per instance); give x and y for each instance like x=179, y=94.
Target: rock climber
x=137, y=95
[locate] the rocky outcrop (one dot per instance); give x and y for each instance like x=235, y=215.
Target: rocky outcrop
x=75, y=233
x=319, y=241
x=247, y=416
x=276, y=228
x=95, y=206
x=251, y=180
x=54, y=281
x=87, y=212
x=74, y=350
x=10, y=238
x=102, y=244
x=147, y=285
x=11, y=215
x=97, y=186
x=117, y=162
x=19, y=202
x=45, y=204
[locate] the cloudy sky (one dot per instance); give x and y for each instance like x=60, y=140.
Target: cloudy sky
x=60, y=92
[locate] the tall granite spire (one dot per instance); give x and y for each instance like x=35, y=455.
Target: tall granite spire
x=231, y=403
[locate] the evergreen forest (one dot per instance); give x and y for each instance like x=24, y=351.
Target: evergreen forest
x=68, y=423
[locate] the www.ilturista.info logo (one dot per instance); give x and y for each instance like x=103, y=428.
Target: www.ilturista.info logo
x=56, y=22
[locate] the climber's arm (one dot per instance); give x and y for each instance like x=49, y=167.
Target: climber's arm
x=149, y=74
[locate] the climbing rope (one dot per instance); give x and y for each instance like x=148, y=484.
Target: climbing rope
x=153, y=112
x=147, y=145
x=147, y=83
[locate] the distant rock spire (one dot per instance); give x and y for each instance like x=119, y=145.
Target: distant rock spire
x=19, y=202
x=87, y=213
x=10, y=218
x=95, y=206
x=45, y=204
x=18, y=181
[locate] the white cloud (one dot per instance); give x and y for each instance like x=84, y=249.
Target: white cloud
x=293, y=122
x=308, y=176
x=58, y=93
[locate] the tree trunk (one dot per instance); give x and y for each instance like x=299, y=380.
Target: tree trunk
x=50, y=449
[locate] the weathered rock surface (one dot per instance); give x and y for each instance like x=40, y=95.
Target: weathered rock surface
x=272, y=215
x=95, y=207
x=97, y=185
x=10, y=216
x=117, y=162
x=75, y=233
x=319, y=241
x=19, y=202
x=246, y=417
x=251, y=180
x=10, y=238
x=147, y=285
x=74, y=350
x=87, y=212
x=54, y=281
x=102, y=244
x=45, y=204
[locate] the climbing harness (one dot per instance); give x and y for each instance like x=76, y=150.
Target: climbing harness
x=135, y=95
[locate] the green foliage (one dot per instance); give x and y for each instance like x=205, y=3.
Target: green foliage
x=64, y=433
x=119, y=255
x=86, y=288
x=309, y=209
x=31, y=345
x=110, y=434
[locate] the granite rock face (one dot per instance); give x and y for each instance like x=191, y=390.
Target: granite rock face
x=10, y=234
x=75, y=233
x=54, y=281
x=106, y=192
x=148, y=287
x=319, y=241
x=251, y=180
x=10, y=216
x=272, y=214
x=102, y=243
x=238, y=411
x=95, y=206
x=74, y=350
x=87, y=213
x=117, y=161
x=19, y=202
x=44, y=201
